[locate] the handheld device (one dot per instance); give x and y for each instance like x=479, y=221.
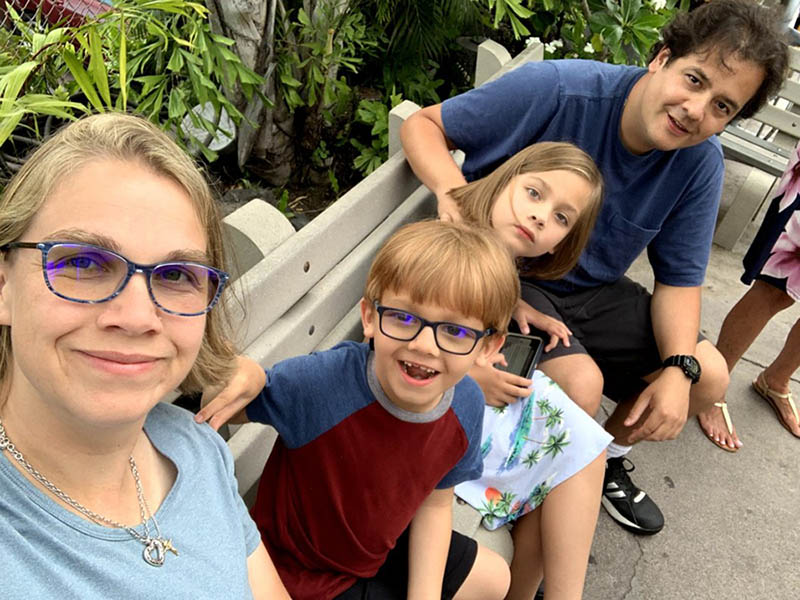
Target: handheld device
x=522, y=354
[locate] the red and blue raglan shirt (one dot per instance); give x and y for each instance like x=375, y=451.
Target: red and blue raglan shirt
x=350, y=469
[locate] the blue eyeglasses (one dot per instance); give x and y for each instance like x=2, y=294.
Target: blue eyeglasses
x=92, y=274
x=404, y=326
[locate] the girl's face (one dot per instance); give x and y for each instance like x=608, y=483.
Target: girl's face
x=102, y=364
x=536, y=210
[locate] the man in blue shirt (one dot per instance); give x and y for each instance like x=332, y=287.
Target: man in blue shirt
x=651, y=131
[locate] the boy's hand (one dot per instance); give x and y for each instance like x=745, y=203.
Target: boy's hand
x=221, y=405
x=500, y=387
x=525, y=315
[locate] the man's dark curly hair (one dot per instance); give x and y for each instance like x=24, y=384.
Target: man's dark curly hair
x=739, y=28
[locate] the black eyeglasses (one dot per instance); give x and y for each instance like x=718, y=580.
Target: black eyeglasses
x=92, y=274
x=404, y=326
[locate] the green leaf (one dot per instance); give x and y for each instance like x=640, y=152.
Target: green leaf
x=11, y=83
x=82, y=79
x=287, y=79
x=176, y=60
x=302, y=16
x=97, y=66
x=649, y=20
x=177, y=106
x=603, y=19
x=8, y=124
x=123, y=65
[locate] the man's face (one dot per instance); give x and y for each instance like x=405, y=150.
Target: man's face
x=687, y=100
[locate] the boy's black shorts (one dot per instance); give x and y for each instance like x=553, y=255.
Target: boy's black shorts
x=611, y=323
x=391, y=580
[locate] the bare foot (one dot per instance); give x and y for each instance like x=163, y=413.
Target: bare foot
x=713, y=424
x=781, y=405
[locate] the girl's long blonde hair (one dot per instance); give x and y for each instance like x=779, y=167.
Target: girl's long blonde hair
x=476, y=201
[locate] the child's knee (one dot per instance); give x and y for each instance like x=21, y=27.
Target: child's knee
x=489, y=578
x=580, y=378
x=587, y=389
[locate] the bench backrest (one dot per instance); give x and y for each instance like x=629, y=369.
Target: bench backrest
x=765, y=140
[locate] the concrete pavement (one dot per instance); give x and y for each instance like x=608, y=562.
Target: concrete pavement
x=730, y=518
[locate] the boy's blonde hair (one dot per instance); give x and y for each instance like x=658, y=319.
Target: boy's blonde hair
x=476, y=201
x=127, y=138
x=454, y=265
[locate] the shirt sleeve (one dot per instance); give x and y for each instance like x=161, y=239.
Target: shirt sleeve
x=300, y=398
x=469, y=411
x=679, y=253
x=252, y=537
x=496, y=120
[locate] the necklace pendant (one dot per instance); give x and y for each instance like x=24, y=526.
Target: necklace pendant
x=153, y=552
x=169, y=547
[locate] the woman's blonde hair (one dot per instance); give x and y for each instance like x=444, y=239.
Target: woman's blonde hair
x=115, y=136
x=453, y=265
x=476, y=201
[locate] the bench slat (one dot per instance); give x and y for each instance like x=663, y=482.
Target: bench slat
x=273, y=285
x=334, y=296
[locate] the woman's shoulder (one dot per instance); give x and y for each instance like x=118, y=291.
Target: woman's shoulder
x=174, y=432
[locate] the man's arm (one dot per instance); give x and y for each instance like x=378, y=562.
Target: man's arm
x=675, y=312
x=428, y=545
x=427, y=149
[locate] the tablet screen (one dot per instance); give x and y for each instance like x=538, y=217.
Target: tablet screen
x=522, y=353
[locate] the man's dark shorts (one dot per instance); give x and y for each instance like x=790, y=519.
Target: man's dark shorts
x=610, y=323
x=391, y=580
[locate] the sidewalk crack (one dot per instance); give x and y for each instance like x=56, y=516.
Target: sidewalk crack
x=628, y=595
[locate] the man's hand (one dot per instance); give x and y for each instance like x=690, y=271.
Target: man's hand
x=500, y=387
x=447, y=208
x=661, y=410
x=221, y=405
x=525, y=315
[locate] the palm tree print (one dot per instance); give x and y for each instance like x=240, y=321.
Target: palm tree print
x=532, y=458
x=556, y=443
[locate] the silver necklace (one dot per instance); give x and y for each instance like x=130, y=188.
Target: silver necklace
x=155, y=547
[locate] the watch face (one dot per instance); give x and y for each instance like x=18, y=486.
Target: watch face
x=691, y=367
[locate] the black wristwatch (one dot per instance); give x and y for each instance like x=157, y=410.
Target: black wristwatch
x=687, y=363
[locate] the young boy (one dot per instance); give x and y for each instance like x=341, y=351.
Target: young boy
x=356, y=498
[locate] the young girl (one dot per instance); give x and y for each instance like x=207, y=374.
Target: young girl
x=543, y=455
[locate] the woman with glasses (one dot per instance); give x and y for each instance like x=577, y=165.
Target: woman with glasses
x=111, y=265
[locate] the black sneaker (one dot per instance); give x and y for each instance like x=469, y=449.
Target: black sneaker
x=627, y=504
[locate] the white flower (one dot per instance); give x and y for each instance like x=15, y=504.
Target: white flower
x=535, y=40
x=659, y=4
x=558, y=43
x=551, y=46
x=588, y=48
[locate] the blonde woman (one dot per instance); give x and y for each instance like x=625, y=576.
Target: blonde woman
x=111, y=265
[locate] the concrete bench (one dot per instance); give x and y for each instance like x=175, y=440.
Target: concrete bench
x=765, y=142
x=301, y=289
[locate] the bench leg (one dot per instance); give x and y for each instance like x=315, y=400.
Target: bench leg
x=756, y=189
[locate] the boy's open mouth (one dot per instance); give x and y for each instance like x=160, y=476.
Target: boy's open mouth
x=418, y=372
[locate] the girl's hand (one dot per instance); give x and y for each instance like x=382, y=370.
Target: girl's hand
x=221, y=405
x=525, y=315
x=500, y=387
